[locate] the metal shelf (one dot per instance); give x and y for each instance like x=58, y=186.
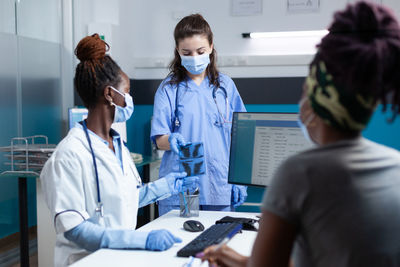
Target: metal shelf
x=26, y=159
x=26, y=156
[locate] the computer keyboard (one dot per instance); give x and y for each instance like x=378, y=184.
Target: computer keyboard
x=211, y=236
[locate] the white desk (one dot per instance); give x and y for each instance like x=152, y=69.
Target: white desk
x=242, y=242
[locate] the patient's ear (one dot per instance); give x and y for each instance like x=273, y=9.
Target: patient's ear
x=108, y=94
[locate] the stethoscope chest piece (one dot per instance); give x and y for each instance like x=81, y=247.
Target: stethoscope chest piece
x=100, y=209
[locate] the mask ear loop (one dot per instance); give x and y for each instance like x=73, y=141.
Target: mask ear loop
x=308, y=120
x=123, y=95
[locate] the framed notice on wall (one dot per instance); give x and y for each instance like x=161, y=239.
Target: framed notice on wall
x=373, y=1
x=246, y=7
x=302, y=6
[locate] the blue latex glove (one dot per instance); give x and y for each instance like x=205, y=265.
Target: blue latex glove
x=239, y=195
x=175, y=141
x=154, y=191
x=91, y=236
x=161, y=240
x=178, y=182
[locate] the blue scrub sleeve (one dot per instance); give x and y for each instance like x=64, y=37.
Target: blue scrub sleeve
x=161, y=123
x=92, y=237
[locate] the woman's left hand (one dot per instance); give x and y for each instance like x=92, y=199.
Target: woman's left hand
x=223, y=256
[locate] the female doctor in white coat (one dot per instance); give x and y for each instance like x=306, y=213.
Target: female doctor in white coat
x=91, y=184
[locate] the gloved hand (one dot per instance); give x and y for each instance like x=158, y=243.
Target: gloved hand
x=175, y=141
x=239, y=195
x=161, y=240
x=178, y=182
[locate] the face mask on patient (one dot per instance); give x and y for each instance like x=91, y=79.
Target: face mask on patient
x=303, y=126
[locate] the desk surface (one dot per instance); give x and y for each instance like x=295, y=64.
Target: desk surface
x=171, y=221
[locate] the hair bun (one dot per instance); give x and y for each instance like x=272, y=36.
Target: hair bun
x=91, y=48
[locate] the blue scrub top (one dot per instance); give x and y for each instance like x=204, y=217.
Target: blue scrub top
x=199, y=122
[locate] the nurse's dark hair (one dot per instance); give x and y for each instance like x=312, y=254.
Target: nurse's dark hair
x=191, y=25
x=362, y=52
x=95, y=71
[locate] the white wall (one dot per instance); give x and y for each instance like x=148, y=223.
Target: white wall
x=142, y=34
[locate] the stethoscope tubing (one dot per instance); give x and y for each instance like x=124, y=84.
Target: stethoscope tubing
x=177, y=122
x=99, y=204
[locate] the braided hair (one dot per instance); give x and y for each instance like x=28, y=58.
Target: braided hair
x=362, y=52
x=95, y=71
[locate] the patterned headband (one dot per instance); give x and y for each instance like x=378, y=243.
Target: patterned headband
x=337, y=106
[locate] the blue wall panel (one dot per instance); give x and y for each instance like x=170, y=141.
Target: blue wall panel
x=380, y=131
x=138, y=130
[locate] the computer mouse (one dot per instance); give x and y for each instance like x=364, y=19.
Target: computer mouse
x=193, y=226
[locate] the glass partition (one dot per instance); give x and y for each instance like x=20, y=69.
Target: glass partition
x=9, y=129
x=7, y=16
x=39, y=19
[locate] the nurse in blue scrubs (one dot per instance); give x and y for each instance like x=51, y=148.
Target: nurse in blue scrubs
x=195, y=103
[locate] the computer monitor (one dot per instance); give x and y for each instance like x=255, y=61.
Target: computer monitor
x=260, y=143
x=78, y=114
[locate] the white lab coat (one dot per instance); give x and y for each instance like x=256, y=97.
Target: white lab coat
x=69, y=184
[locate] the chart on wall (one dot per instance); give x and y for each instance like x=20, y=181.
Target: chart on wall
x=303, y=6
x=246, y=7
x=373, y=1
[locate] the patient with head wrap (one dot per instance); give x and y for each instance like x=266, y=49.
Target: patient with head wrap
x=337, y=204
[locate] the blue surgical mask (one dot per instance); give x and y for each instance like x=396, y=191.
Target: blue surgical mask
x=195, y=64
x=304, y=130
x=123, y=114
x=303, y=126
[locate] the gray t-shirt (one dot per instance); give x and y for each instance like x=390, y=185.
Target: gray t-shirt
x=344, y=198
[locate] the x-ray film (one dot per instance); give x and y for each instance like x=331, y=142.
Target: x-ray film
x=191, y=159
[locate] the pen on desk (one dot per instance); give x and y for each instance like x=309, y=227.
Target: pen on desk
x=189, y=264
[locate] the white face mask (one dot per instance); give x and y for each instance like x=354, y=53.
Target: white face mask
x=123, y=113
x=303, y=126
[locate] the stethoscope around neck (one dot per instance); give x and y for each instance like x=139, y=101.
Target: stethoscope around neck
x=99, y=208
x=177, y=122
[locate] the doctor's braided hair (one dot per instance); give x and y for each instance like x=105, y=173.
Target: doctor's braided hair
x=362, y=53
x=95, y=71
x=191, y=25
